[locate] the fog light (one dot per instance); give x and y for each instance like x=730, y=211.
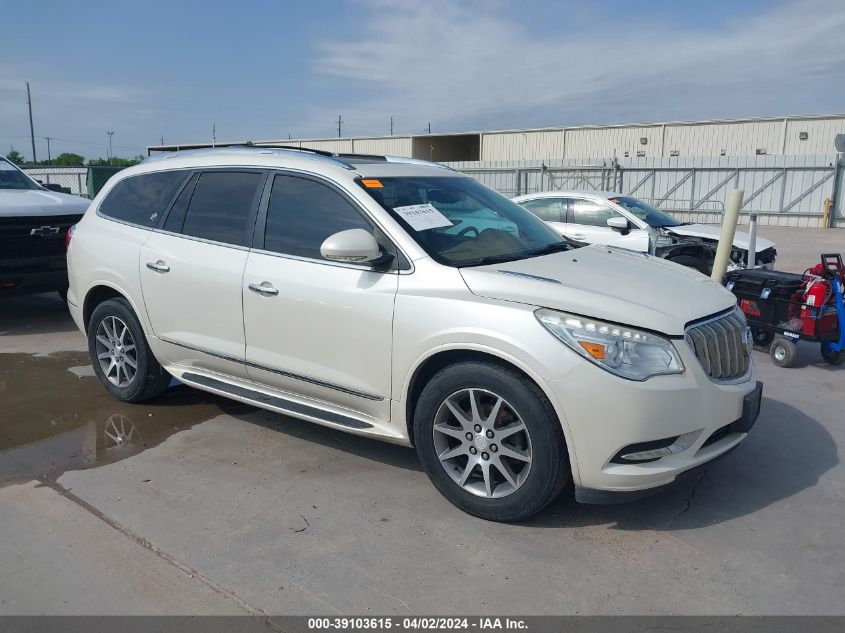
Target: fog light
x=657, y=449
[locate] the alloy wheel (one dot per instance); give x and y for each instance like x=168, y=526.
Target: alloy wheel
x=116, y=351
x=482, y=443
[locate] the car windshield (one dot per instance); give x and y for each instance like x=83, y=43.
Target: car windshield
x=12, y=178
x=459, y=222
x=650, y=215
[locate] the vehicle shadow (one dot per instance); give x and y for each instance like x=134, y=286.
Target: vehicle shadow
x=785, y=453
x=34, y=314
x=372, y=449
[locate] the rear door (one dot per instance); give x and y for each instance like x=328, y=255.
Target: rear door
x=317, y=328
x=192, y=268
x=550, y=210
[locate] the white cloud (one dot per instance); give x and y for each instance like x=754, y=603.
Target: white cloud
x=465, y=65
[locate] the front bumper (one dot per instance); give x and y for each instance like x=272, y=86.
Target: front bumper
x=606, y=413
x=23, y=282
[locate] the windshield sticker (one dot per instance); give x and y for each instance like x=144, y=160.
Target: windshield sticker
x=422, y=217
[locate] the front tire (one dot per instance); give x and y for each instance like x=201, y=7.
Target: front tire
x=783, y=352
x=690, y=262
x=122, y=359
x=490, y=441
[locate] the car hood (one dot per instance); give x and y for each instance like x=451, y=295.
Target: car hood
x=713, y=232
x=606, y=283
x=37, y=202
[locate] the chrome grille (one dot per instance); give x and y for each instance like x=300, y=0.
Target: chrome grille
x=722, y=346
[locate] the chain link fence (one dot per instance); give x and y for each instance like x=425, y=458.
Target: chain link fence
x=78, y=181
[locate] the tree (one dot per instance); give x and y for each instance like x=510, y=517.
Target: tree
x=116, y=161
x=69, y=159
x=14, y=156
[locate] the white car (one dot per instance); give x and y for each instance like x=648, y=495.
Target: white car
x=406, y=302
x=34, y=222
x=605, y=217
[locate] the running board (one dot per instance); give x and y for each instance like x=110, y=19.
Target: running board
x=273, y=401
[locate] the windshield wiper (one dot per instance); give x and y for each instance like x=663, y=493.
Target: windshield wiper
x=554, y=247
x=493, y=259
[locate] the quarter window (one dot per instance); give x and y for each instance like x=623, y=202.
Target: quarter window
x=302, y=213
x=142, y=199
x=221, y=206
x=548, y=209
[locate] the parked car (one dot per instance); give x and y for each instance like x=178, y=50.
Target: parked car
x=34, y=222
x=337, y=289
x=602, y=217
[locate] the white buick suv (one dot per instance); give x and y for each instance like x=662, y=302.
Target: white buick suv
x=404, y=301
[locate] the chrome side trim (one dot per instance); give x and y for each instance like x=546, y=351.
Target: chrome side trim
x=280, y=372
x=276, y=402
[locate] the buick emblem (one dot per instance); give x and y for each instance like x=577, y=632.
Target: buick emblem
x=45, y=231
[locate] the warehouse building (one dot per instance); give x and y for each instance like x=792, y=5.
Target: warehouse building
x=793, y=135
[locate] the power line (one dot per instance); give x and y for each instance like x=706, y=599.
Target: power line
x=31, y=128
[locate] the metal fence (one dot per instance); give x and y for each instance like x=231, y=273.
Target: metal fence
x=80, y=181
x=71, y=179
x=782, y=190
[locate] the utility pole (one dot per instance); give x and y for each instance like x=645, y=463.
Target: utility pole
x=49, y=156
x=31, y=128
x=391, y=126
x=162, y=139
x=213, y=134
x=339, y=124
x=110, y=154
x=429, y=128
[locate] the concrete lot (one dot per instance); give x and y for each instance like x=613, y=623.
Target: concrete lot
x=201, y=505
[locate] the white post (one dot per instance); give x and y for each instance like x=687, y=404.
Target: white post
x=726, y=239
x=751, y=262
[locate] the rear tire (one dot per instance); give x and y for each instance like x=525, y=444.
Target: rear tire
x=507, y=455
x=783, y=352
x=122, y=359
x=690, y=262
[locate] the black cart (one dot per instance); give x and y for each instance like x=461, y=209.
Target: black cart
x=780, y=315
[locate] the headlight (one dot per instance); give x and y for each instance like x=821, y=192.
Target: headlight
x=621, y=350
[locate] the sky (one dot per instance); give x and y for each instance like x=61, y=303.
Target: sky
x=269, y=69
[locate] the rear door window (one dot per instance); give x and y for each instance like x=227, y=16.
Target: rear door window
x=548, y=209
x=221, y=207
x=142, y=199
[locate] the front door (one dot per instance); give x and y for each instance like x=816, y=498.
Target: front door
x=587, y=222
x=191, y=271
x=316, y=328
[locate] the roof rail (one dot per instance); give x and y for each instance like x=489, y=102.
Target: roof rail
x=192, y=146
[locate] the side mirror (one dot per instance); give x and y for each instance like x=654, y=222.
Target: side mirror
x=354, y=245
x=618, y=223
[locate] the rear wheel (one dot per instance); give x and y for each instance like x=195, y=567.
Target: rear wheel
x=783, y=352
x=122, y=359
x=490, y=441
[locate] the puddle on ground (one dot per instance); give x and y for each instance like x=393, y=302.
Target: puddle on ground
x=55, y=416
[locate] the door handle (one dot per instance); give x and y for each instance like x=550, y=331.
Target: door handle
x=159, y=267
x=264, y=288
